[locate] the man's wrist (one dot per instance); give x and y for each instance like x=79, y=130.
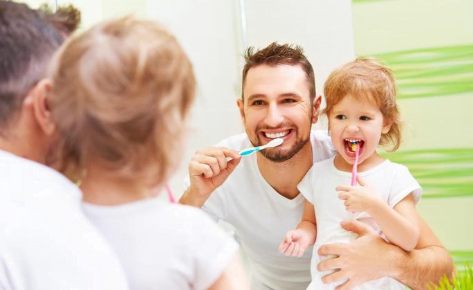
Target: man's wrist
x=395, y=262
x=190, y=197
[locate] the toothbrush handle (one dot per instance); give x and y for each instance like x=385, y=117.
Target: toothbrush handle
x=353, y=177
x=249, y=151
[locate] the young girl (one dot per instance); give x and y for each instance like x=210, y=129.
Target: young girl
x=120, y=94
x=362, y=114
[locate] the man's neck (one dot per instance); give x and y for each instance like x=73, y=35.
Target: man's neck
x=285, y=176
x=9, y=145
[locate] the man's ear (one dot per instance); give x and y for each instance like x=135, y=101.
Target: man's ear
x=41, y=108
x=240, y=107
x=316, y=109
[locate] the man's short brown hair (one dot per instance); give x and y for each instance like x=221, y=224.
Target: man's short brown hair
x=27, y=42
x=280, y=54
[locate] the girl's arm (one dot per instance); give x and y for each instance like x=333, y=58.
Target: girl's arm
x=296, y=241
x=233, y=277
x=308, y=223
x=399, y=224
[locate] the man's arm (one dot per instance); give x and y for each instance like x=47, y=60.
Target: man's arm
x=208, y=169
x=429, y=262
x=369, y=257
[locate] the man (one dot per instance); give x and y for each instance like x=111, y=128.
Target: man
x=45, y=240
x=258, y=194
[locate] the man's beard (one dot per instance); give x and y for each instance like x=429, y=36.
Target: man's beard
x=276, y=154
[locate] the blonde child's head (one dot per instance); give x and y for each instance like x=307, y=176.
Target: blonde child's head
x=120, y=94
x=367, y=79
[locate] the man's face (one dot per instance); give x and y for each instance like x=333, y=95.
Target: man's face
x=277, y=105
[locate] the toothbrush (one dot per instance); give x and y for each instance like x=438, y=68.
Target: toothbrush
x=355, y=147
x=272, y=143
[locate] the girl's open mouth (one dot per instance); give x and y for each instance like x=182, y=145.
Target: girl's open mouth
x=351, y=146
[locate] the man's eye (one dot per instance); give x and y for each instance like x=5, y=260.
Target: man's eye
x=365, y=118
x=257, y=103
x=340, y=117
x=289, y=101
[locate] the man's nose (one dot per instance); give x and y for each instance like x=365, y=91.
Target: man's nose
x=274, y=116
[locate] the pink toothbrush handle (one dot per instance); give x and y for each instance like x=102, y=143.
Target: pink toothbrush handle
x=355, y=166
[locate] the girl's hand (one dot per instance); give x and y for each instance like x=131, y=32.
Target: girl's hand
x=295, y=243
x=358, y=198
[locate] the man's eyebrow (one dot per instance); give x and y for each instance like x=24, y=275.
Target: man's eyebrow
x=255, y=96
x=292, y=95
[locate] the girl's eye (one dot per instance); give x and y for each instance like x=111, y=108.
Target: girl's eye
x=365, y=118
x=340, y=117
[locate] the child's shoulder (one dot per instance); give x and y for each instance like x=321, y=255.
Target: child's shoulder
x=396, y=168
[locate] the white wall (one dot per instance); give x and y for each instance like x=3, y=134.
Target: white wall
x=211, y=33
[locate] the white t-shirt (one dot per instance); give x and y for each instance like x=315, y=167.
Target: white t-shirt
x=261, y=217
x=46, y=242
x=164, y=246
x=392, y=183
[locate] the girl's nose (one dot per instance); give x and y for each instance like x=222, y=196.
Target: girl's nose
x=353, y=127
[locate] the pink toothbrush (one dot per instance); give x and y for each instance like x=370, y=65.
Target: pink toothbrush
x=355, y=147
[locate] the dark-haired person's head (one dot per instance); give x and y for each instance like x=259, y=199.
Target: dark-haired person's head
x=27, y=43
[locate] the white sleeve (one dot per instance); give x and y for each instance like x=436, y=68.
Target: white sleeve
x=403, y=184
x=305, y=186
x=212, y=250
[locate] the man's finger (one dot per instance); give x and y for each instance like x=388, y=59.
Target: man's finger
x=330, y=264
x=231, y=165
x=230, y=153
x=357, y=227
x=337, y=276
x=197, y=169
x=211, y=161
x=331, y=249
x=347, y=285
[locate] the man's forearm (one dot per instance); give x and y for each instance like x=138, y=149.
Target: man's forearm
x=420, y=267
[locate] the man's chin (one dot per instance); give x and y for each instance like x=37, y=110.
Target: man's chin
x=279, y=156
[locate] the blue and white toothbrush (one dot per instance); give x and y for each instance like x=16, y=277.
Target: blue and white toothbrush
x=272, y=143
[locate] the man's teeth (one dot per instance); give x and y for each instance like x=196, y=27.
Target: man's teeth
x=276, y=135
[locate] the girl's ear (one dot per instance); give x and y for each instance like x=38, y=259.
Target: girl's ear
x=386, y=127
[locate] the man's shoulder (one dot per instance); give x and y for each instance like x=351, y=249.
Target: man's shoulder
x=321, y=136
x=322, y=145
x=26, y=177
